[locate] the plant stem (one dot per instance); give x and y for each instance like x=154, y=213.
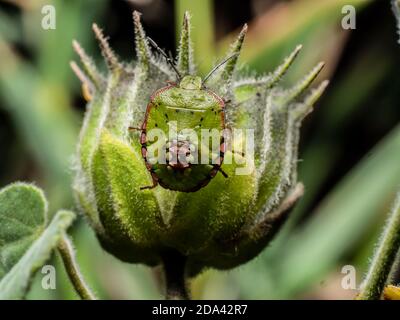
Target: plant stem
x=174, y=265
x=384, y=258
x=68, y=257
x=394, y=275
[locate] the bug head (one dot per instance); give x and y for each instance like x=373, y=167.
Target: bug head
x=191, y=83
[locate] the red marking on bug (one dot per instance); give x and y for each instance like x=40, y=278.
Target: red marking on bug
x=179, y=151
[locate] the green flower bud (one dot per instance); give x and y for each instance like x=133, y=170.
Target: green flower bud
x=228, y=220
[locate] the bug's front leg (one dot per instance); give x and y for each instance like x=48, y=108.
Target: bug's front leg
x=223, y=173
x=155, y=183
x=135, y=129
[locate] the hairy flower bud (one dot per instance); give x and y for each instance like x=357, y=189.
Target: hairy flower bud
x=238, y=208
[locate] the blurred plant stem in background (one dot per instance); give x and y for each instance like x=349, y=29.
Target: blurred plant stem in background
x=384, y=259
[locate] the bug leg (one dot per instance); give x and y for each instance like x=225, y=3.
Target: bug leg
x=155, y=184
x=223, y=172
x=149, y=187
x=135, y=129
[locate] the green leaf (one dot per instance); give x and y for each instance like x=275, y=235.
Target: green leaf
x=23, y=217
x=15, y=284
x=25, y=242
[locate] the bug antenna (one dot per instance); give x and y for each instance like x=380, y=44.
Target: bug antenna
x=218, y=66
x=170, y=55
x=167, y=58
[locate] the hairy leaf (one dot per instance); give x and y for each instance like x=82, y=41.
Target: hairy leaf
x=15, y=283
x=25, y=241
x=23, y=216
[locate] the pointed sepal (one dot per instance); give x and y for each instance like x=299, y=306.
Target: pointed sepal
x=90, y=68
x=303, y=84
x=87, y=86
x=304, y=108
x=108, y=54
x=234, y=52
x=279, y=72
x=220, y=78
x=185, y=63
x=143, y=51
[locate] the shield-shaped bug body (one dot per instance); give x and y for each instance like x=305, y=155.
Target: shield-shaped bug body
x=189, y=111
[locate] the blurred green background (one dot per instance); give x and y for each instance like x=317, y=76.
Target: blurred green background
x=350, y=144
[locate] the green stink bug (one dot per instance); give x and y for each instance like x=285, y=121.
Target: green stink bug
x=190, y=108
